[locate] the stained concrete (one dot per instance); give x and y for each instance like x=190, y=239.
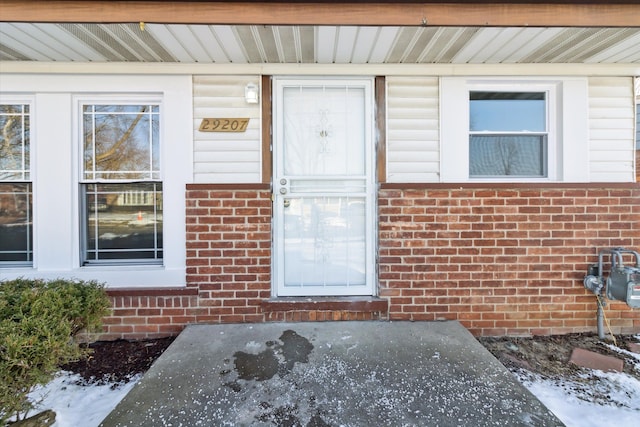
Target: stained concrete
x=329, y=374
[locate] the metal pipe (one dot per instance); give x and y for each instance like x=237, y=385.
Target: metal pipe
x=615, y=259
x=600, y=318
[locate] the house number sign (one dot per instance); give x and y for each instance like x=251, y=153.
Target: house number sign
x=224, y=125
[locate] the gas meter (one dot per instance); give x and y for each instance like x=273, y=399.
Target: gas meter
x=622, y=282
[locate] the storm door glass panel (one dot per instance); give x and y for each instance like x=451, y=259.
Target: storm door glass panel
x=324, y=168
x=122, y=191
x=16, y=207
x=508, y=134
x=325, y=242
x=324, y=131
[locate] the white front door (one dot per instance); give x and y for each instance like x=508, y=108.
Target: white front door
x=323, y=187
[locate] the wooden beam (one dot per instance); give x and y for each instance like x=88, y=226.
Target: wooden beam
x=570, y=14
x=381, y=128
x=267, y=138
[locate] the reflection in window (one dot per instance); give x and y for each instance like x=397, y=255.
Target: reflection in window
x=124, y=221
x=507, y=134
x=122, y=193
x=16, y=207
x=121, y=142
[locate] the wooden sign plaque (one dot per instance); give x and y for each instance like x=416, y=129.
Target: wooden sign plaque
x=224, y=124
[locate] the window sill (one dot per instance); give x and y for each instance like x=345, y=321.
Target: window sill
x=113, y=277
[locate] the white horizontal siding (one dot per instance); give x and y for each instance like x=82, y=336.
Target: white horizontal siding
x=611, y=129
x=413, y=153
x=225, y=157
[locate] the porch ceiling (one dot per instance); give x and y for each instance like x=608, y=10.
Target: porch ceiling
x=280, y=44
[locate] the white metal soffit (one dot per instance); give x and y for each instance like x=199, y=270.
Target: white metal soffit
x=226, y=44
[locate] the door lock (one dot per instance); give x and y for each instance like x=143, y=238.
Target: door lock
x=283, y=190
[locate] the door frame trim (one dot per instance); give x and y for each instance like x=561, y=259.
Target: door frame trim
x=370, y=84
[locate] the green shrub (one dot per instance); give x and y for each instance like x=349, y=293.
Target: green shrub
x=39, y=321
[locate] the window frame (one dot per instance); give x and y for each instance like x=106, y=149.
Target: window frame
x=567, y=118
x=84, y=183
x=28, y=180
x=511, y=133
x=55, y=155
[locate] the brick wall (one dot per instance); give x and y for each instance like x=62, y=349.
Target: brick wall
x=503, y=261
x=500, y=260
x=139, y=314
x=229, y=251
x=228, y=272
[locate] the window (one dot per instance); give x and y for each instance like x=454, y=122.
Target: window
x=507, y=134
x=107, y=159
x=509, y=129
x=121, y=190
x=16, y=208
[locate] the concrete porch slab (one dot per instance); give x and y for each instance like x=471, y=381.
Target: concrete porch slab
x=329, y=374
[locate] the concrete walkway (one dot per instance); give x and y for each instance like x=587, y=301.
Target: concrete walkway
x=329, y=374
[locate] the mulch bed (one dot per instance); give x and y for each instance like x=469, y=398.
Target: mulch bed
x=118, y=361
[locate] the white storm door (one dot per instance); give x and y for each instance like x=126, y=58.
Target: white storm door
x=323, y=187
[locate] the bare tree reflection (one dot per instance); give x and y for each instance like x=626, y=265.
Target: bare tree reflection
x=123, y=194
x=14, y=142
x=121, y=142
x=15, y=192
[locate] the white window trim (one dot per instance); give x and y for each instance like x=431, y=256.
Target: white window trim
x=55, y=174
x=30, y=101
x=567, y=111
x=125, y=99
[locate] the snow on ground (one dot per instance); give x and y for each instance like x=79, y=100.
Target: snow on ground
x=76, y=404
x=616, y=397
x=606, y=396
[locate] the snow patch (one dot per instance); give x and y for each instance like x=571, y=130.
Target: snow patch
x=77, y=403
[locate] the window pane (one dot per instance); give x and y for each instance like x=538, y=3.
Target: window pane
x=14, y=142
x=121, y=142
x=123, y=222
x=324, y=242
x=507, y=111
x=324, y=131
x=500, y=155
x=16, y=226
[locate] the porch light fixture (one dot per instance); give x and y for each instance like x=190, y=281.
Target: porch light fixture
x=251, y=94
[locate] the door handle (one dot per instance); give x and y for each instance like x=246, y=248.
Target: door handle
x=287, y=203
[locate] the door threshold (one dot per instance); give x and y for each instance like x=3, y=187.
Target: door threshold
x=317, y=303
